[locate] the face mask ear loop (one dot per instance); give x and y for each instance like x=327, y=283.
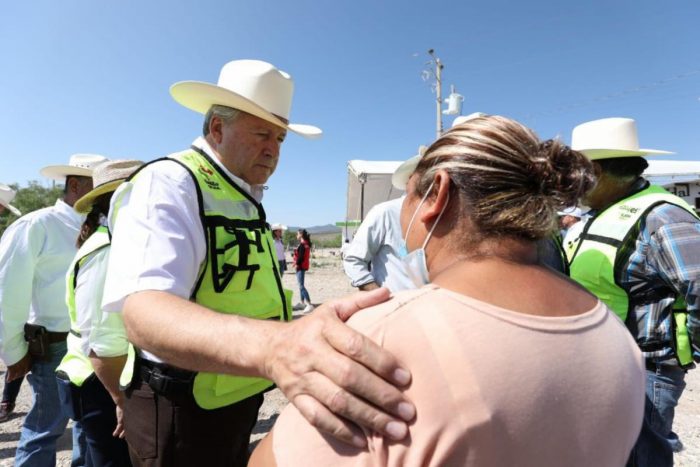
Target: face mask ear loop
x=430, y=234
x=413, y=217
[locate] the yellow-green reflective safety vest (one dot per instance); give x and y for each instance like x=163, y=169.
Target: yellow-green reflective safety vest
x=240, y=274
x=76, y=364
x=595, y=263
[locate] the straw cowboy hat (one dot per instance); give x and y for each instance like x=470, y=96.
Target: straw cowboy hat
x=609, y=138
x=7, y=194
x=278, y=227
x=79, y=165
x=253, y=86
x=105, y=179
x=401, y=175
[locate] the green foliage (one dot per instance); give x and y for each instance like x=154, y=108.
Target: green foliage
x=289, y=238
x=327, y=241
x=30, y=199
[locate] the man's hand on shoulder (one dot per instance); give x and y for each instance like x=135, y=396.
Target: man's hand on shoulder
x=337, y=377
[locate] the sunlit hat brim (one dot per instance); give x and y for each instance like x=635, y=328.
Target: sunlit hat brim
x=200, y=96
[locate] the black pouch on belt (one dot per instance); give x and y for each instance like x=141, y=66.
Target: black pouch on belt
x=69, y=396
x=38, y=339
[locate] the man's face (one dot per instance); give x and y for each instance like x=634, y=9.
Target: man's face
x=248, y=146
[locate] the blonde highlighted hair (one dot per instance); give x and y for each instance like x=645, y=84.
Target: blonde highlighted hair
x=511, y=183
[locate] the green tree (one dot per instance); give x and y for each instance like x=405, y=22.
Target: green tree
x=29, y=199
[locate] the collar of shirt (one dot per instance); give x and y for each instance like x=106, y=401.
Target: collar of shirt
x=256, y=191
x=67, y=213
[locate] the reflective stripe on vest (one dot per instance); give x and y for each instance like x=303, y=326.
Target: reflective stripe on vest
x=594, y=262
x=76, y=364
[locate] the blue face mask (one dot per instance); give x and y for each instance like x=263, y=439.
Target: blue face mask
x=414, y=262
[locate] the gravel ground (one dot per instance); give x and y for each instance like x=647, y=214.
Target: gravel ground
x=325, y=280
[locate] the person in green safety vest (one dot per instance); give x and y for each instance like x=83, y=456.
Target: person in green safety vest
x=640, y=254
x=194, y=271
x=88, y=375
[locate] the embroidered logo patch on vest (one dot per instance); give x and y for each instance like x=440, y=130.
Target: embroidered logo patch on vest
x=207, y=172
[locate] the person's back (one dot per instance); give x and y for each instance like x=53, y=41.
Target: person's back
x=494, y=387
x=372, y=258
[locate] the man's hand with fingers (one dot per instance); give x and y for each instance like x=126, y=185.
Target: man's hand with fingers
x=338, y=378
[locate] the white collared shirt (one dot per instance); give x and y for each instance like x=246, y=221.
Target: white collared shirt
x=35, y=252
x=373, y=254
x=158, y=241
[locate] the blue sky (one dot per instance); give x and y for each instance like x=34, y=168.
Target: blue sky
x=93, y=76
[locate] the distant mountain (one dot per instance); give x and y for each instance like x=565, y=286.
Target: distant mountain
x=318, y=229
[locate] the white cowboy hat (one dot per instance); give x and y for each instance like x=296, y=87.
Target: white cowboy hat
x=253, y=86
x=465, y=118
x=79, y=165
x=609, y=138
x=401, y=175
x=278, y=227
x=106, y=178
x=573, y=211
x=7, y=194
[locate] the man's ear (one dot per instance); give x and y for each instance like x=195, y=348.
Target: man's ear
x=439, y=196
x=215, y=128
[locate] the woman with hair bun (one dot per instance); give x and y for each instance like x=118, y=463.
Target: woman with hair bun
x=512, y=363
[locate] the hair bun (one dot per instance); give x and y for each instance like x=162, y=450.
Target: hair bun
x=564, y=174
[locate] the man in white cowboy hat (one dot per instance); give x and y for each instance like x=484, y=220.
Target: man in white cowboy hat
x=7, y=194
x=194, y=273
x=640, y=254
x=35, y=252
x=281, y=250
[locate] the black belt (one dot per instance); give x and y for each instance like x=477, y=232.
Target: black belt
x=165, y=379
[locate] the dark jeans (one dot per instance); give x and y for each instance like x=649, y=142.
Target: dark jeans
x=174, y=431
x=654, y=448
x=96, y=411
x=302, y=290
x=11, y=390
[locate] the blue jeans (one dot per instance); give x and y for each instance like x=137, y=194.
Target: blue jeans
x=302, y=290
x=657, y=441
x=45, y=421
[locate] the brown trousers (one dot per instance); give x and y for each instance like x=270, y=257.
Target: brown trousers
x=175, y=431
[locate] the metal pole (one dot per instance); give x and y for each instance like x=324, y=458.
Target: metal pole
x=438, y=76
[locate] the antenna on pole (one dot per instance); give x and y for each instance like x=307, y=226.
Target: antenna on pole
x=454, y=100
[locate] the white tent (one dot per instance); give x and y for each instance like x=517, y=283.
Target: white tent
x=369, y=183
x=664, y=172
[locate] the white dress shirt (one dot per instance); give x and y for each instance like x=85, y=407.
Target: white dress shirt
x=103, y=333
x=376, y=245
x=280, y=249
x=158, y=241
x=35, y=252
